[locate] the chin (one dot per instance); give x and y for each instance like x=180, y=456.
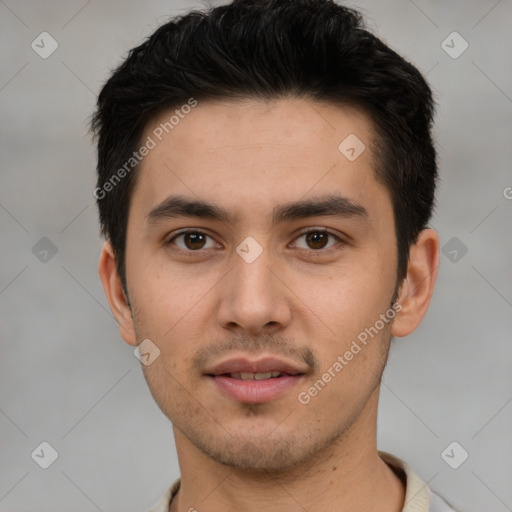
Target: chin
x=262, y=454
x=263, y=458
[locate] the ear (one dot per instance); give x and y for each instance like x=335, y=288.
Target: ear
x=115, y=294
x=418, y=286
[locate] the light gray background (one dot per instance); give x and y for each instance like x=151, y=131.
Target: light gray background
x=68, y=379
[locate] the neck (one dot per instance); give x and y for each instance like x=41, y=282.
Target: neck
x=347, y=475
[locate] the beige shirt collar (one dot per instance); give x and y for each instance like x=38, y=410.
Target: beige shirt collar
x=417, y=493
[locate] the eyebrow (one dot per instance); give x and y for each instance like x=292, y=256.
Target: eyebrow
x=322, y=206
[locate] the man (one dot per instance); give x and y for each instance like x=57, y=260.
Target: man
x=266, y=175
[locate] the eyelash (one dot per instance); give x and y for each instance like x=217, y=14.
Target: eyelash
x=303, y=233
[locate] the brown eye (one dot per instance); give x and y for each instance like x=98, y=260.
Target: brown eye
x=317, y=239
x=192, y=241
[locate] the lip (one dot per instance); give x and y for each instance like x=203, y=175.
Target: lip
x=255, y=391
x=266, y=364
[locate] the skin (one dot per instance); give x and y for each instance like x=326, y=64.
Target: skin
x=297, y=301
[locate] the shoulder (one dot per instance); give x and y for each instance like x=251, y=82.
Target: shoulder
x=165, y=500
x=418, y=496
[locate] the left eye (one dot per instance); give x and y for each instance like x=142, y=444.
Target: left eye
x=317, y=240
x=193, y=241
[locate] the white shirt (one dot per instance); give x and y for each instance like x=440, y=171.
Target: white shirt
x=418, y=496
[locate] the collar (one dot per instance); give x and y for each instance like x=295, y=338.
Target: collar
x=417, y=493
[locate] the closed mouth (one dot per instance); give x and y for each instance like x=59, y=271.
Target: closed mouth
x=257, y=376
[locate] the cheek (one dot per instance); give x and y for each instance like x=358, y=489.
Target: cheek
x=349, y=300
x=350, y=304
x=164, y=297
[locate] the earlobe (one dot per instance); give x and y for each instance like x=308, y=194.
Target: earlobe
x=418, y=286
x=115, y=294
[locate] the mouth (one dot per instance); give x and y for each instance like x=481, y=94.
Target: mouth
x=254, y=382
x=255, y=376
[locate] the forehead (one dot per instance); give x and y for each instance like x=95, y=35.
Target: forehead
x=252, y=152
x=309, y=126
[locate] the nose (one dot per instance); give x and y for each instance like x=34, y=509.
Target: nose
x=254, y=299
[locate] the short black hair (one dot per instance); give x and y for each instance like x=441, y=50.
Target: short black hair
x=270, y=49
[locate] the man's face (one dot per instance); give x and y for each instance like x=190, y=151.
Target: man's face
x=268, y=287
